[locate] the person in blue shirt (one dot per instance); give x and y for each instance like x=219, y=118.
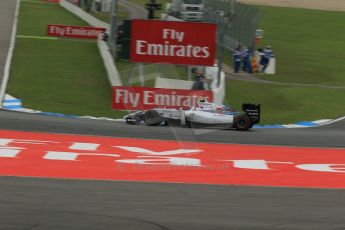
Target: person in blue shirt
x=246, y=60
x=266, y=56
x=237, y=57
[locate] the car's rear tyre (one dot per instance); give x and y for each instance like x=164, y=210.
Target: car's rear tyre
x=152, y=117
x=243, y=122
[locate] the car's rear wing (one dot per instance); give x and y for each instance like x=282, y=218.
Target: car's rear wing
x=253, y=111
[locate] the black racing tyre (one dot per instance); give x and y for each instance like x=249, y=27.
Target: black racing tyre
x=243, y=122
x=152, y=117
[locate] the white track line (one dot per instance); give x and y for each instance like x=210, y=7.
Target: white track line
x=332, y=121
x=9, y=55
x=37, y=37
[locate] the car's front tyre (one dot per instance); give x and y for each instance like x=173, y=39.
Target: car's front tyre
x=152, y=117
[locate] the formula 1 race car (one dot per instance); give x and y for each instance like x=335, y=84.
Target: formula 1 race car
x=204, y=115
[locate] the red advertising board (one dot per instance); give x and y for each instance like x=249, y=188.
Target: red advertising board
x=142, y=98
x=74, y=31
x=173, y=42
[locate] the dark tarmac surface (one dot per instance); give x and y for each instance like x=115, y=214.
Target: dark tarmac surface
x=32, y=203
x=134, y=11
x=46, y=204
x=51, y=204
x=7, y=9
x=332, y=136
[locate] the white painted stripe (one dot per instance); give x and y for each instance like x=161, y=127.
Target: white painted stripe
x=322, y=121
x=4, y=141
x=37, y=37
x=295, y=126
x=67, y=156
x=9, y=152
x=84, y=146
x=9, y=97
x=333, y=121
x=9, y=55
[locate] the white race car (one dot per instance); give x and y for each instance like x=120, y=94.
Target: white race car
x=204, y=115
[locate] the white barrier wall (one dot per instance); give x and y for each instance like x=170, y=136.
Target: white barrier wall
x=167, y=83
x=83, y=15
x=218, y=91
x=113, y=74
x=271, y=68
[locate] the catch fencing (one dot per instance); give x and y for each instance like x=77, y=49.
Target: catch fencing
x=237, y=22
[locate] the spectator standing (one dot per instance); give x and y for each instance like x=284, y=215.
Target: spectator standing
x=237, y=57
x=246, y=60
x=98, y=5
x=262, y=58
x=267, y=55
x=199, y=80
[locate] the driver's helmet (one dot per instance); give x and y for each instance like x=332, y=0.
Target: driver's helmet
x=201, y=101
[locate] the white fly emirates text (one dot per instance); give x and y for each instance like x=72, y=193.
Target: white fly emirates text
x=147, y=97
x=178, y=49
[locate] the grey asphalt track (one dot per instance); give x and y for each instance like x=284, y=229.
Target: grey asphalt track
x=7, y=9
x=43, y=204
x=134, y=11
x=29, y=203
x=332, y=136
x=51, y=204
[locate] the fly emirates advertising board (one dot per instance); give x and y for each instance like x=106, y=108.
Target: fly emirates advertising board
x=188, y=43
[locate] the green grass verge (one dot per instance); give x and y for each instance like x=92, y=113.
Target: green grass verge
x=309, y=48
x=309, y=44
x=71, y=76
x=65, y=75
x=287, y=104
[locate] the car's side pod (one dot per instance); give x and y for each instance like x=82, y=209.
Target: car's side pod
x=253, y=111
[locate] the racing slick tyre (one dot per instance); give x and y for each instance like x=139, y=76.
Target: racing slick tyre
x=243, y=122
x=152, y=117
